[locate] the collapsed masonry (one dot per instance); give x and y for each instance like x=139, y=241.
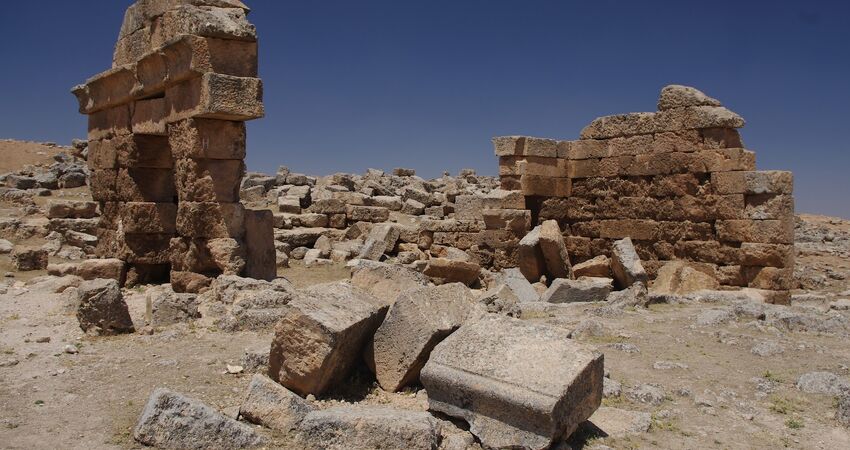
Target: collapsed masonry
x=167, y=143
x=678, y=182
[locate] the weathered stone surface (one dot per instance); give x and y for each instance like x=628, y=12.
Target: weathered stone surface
x=532, y=263
x=321, y=335
x=761, y=182
x=168, y=308
x=27, y=259
x=215, y=96
x=516, y=383
x=678, y=96
x=273, y=406
x=516, y=282
x=450, y=270
x=554, y=250
x=102, y=308
x=211, y=220
x=382, y=238
x=418, y=320
x=626, y=265
x=148, y=217
x=581, y=290
x=617, y=423
x=71, y=210
x=259, y=245
x=171, y=420
x=599, y=266
x=367, y=428
x=681, y=278
x=90, y=269
x=385, y=281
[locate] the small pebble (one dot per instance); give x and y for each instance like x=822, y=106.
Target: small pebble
x=71, y=349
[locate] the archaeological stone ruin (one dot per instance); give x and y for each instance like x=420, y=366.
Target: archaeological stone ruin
x=167, y=142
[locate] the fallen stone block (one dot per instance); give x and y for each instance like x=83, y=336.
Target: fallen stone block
x=26, y=259
x=599, y=267
x=215, y=96
x=532, y=263
x=519, y=285
x=618, y=423
x=450, y=270
x=91, y=269
x=680, y=278
x=418, y=320
x=171, y=420
x=272, y=405
x=554, y=250
x=261, y=262
x=71, y=210
x=102, y=308
x=385, y=281
x=382, y=239
x=368, y=428
x=321, y=335
x=581, y=290
x=517, y=384
x=169, y=308
x=626, y=265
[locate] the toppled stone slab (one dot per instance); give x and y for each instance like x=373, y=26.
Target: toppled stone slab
x=518, y=285
x=554, y=250
x=382, y=238
x=680, y=278
x=102, y=308
x=171, y=420
x=616, y=422
x=385, y=281
x=584, y=289
x=517, y=384
x=532, y=263
x=599, y=267
x=368, y=428
x=626, y=265
x=168, y=308
x=272, y=405
x=91, y=269
x=451, y=270
x=321, y=335
x=26, y=259
x=419, y=320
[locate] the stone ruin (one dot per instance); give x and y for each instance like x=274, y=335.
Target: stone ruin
x=678, y=182
x=167, y=143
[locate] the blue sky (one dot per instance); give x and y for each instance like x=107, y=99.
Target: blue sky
x=426, y=84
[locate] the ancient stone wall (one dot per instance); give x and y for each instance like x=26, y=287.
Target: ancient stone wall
x=678, y=182
x=167, y=143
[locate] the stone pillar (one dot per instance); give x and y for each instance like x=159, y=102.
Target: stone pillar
x=167, y=138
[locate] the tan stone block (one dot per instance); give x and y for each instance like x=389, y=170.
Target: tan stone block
x=207, y=21
x=756, y=231
x=215, y=96
x=110, y=122
x=693, y=117
x=134, y=248
x=261, y=261
x=761, y=182
x=565, y=149
x=509, y=145
x=512, y=165
x=554, y=250
x=683, y=230
x=685, y=141
x=225, y=256
x=586, y=149
x=208, y=180
x=545, y=186
x=189, y=282
x=708, y=252
x=675, y=185
x=769, y=255
x=724, y=160
x=546, y=148
x=374, y=214
x=145, y=185
x=769, y=206
x=192, y=56
x=770, y=278
x=721, y=138
x=147, y=217
x=731, y=276
x=106, y=90
x=699, y=209
x=630, y=146
x=642, y=230
x=132, y=46
x=518, y=220
x=103, y=153
x=149, y=117
x=102, y=185
x=510, y=183
x=545, y=167
x=211, y=220
x=143, y=151
x=207, y=139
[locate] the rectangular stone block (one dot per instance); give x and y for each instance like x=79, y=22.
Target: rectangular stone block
x=259, y=244
x=546, y=148
x=148, y=218
x=214, y=96
x=517, y=384
x=518, y=220
x=721, y=138
x=769, y=206
x=211, y=220
x=770, y=278
x=103, y=152
x=585, y=149
x=143, y=151
x=708, y=252
x=677, y=119
x=134, y=248
x=208, y=180
x=510, y=183
x=102, y=185
x=756, y=231
x=132, y=46
x=752, y=183
x=509, y=145
x=545, y=186
x=106, y=90
x=110, y=122
x=149, y=117
x=512, y=165
x=685, y=141
x=207, y=139
x=207, y=21
x=375, y=214
x=145, y=185
x=545, y=167
x=192, y=56
x=768, y=255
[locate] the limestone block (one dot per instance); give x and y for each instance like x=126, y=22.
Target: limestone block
x=681, y=278
x=214, y=22
x=211, y=220
x=770, y=278
x=102, y=308
x=144, y=185
x=208, y=180
x=110, y=122
x=677, y=96
x=509, y=145
x=419, y=319
x=259, y=244
x=533, y=185
x=770, y=255
x=215, y=96
x=374, y=214
x=532, y=263
x=106, y=90
x=69, y=209
x=516, y=220
x=146, y=217
x=26, y=259
x=321, y=335
x=273, y=406
x=382, y=239
x=149, y=117
x=599, y=266
x=584, y=289
x=385, y=281
x=207, y=139
x=367, y=428
x=554, y=250
x=626, y=265
x=143, y=151
x=761, y=182
x=768, y=207
x=517, y=384
x=756, y=231
x=450, y=270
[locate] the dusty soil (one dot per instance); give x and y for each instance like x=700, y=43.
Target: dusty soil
x=17, y=154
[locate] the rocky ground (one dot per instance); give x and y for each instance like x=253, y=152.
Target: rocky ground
x=704, y=370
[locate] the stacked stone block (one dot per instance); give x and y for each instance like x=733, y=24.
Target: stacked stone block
x=679, y=182
x=167, y=144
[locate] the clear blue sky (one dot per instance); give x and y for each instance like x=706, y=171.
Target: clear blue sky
x=425, y=84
